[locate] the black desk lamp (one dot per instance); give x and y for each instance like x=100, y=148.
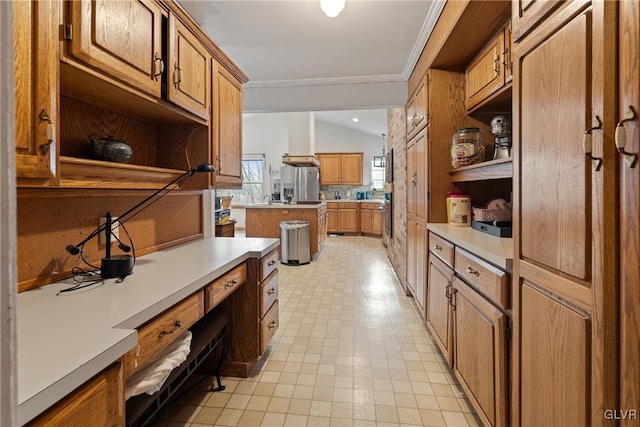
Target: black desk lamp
x=122, y=265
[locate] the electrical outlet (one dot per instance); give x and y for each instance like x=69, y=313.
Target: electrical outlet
x=115, y=228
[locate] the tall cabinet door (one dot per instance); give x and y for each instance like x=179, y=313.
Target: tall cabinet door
x=227, y=128
x=629, y=67
x=189, y=70
x=561, y=228
x=133, y=56
x=36, y=65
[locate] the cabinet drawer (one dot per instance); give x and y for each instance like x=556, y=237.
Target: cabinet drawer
x=348, y=205
x=160, y=331
x=217, y=291
x=268, y=293
x=269, y=263
x=268, y=326
x=490, y=281
x=369, y=205
x=442, y=248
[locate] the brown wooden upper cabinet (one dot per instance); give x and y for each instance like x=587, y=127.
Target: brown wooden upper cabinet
x=490, y=70
x=417, y=109
x=36, y=98
x=227, y=128
x=122, y=39
x=190, y=70
x=340, y=168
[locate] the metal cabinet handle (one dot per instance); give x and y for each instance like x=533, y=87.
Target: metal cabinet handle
x=437, y=247
x=158, y=65
x=415, y=120
x=51, y=131
x=271, y=291
x=452, y=297
x=177, y=74
x=270, y=263
x=587, y=144
x=473, y=271
x=273, y=324
x=231, y=284
x=496, y=64
x=176, y=326
x=621, y=137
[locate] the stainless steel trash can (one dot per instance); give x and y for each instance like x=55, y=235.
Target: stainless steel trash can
x=294, y=242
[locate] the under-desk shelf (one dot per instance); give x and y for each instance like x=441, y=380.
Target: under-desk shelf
x=492, y=169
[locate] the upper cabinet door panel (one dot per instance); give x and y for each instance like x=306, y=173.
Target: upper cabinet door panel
x=227, y=128
x=189, y=70
x=555, y=105
x=121, y=39
x=351, y=169
x=485, y=74
x=36, y=66
x=526, y=14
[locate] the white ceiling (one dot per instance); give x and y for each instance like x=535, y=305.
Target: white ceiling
x=298, y=59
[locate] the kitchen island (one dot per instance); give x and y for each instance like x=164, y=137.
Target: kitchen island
x=263, y=220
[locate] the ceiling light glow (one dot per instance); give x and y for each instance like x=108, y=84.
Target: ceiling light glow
x=355, y=120
x=332, y=8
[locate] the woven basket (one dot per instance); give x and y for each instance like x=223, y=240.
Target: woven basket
x=480, y=214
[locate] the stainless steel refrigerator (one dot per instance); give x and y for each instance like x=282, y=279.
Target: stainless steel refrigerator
x=305, y=182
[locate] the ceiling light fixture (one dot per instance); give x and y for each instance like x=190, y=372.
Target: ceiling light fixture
x=332, y=8
x=355, y=120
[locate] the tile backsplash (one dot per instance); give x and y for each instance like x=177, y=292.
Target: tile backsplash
x=349, y=192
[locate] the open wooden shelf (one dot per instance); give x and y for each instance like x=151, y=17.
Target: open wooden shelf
x=492, y=169
x=85, y=173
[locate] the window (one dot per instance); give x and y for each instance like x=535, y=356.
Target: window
x=252, y=177
x=378, y=176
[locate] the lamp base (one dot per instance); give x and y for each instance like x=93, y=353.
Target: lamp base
x=116, y=266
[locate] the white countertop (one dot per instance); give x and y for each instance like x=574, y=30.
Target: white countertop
x=496, y=250
x=63, y=341
x=381, y=201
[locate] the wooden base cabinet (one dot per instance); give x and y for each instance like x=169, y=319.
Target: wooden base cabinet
x=480, y=353
x=439, y=319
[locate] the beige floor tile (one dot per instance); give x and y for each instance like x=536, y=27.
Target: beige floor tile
x=351, y=350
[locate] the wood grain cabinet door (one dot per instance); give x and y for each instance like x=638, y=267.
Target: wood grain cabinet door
x=330, y=165
x=227, y=128
x=36, y=65
x=629, y=66
x=348, y=220
x=365, y=220
x=332, y=220
x=121, y=39
x=189, y=74
x=438, y=308
x=485, y=74
x=417, y=114
x=526, y=14
x=351, y=169
x=480, y=353
x=376, y=221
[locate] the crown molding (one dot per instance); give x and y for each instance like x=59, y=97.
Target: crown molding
x=429, y=23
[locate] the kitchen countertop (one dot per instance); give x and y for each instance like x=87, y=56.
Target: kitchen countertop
x=497, y=250
x=63, y=341
x=356, y=200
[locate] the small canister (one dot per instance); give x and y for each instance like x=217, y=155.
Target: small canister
x=467, y=147
x=460, y=211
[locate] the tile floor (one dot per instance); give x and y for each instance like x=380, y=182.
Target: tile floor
x=351, y=350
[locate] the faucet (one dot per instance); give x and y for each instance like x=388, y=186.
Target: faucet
x=269, y=197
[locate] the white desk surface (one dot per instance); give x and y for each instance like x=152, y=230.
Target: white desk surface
x=63, y=341
x=496, y=250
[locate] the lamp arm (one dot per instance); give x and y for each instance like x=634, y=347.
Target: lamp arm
x=74, y=249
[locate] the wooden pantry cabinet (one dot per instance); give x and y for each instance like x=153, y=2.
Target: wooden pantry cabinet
x=340, y=168
x=417, y=108
x=565, y=292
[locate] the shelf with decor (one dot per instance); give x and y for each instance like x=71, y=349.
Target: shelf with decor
x=491, y=169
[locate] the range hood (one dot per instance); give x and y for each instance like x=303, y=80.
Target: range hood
x=300, y=160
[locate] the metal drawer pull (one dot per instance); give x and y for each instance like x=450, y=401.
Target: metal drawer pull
x=270, y=263
x=51, y=130
x=621, y=137
x=176, y=326
x=587, y=145
x=271, y=291
x=177, y=75
x=158, y=66
x=438, y=247
x=273, y=324
x=473, y=271
x=231, y=284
